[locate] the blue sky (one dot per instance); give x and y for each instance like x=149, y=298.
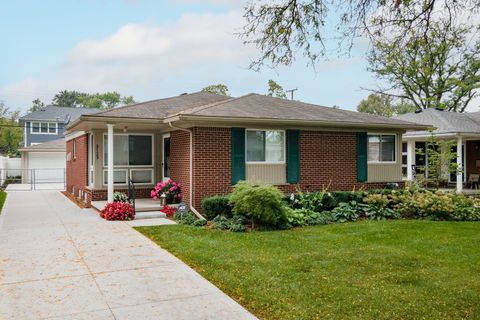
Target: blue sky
x=150, y=49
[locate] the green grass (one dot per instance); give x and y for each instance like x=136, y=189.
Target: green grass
x=363, y=270
x=3, y=197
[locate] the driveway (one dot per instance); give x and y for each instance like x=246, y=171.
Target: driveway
x=60, y=261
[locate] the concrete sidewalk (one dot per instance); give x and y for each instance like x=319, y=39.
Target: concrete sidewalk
x=60, y=261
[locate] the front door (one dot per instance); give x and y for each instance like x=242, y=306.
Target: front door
x=166, y=157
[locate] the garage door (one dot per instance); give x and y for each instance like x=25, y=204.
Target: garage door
x=48, y=167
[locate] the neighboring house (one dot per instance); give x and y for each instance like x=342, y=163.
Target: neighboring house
x=48, y=123
x=48, y=158
x=44, y=143
x=463, y=128
x=210, y=142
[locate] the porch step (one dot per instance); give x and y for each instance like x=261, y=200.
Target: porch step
x=149, y=214
x=147, y=207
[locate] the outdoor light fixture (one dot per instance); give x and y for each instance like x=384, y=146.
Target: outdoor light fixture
x=125, y=129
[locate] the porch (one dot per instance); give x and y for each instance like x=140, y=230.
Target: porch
x=467, y=161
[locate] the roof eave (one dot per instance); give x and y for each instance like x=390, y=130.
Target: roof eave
x=236, y=120
x=97, y=118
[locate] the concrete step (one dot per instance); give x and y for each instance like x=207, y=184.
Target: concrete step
x=149, y=215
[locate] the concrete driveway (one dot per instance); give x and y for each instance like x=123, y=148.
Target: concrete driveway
x=59, y=261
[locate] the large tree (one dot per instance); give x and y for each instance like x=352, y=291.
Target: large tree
x=383, y=105
x=436, y=68
x=104, y=101
x=275, y=90
x=281, y=29
x=11, y=135
x=220, y=89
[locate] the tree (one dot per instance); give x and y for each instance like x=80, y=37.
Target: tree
x=220, y=89
x=104, y=101
x=436, y=69
x=276, y=90
x=440, y=161
x=66, y=98
x=37, y=104
x=383, y=105
x=11, y=135
x=282, y=28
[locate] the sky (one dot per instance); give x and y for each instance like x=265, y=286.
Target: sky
x=150, y=50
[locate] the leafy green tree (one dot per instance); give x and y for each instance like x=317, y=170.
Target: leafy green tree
x=383, y=105
x=436, y=69
x=276, y=90
x=217, y=89
x=104, y=101
x=441, y=161
x=37, y=104
x=11, y=135
x=66, y=98
x=282, y=29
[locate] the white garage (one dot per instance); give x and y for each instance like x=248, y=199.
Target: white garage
x=44, y=163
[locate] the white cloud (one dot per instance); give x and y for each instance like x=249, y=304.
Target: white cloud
x=137, y=56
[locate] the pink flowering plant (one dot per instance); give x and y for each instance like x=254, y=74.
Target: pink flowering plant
x=172, y=190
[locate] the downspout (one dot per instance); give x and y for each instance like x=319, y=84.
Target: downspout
x=191, y=170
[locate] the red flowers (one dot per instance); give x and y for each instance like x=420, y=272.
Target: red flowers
x=118, y=211
x=171, y=189
x=169, y=211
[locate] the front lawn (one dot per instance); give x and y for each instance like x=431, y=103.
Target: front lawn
x=403, y=269
x=3, y=197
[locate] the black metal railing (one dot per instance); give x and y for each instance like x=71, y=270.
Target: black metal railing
x=131, y=193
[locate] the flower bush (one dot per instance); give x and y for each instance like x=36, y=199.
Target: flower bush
x=168, y=210
x=118, y=211
x=172, y=190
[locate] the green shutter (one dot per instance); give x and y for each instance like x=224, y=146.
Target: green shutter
x=293, y=156
x=362, y=167
x=238, y=154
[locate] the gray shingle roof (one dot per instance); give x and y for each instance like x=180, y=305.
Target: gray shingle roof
x=266, y=107
x=445, y=122
x=251, y=106
x=56, y=145
x=60, y=114
x=161, y=108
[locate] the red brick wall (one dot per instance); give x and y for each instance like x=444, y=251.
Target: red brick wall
x=180, y=160
x=212, y=163
x=77, y=168
x=326, y=159
x=101, y=194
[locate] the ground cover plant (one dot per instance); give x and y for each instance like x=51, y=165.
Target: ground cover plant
x=3, y=197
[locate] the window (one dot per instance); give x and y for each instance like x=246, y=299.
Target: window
x=404, y=159
x=381, y=148
x=119, y=176
x=129, y=150
x=43, y=128
x=265, y=146
x=141, y=175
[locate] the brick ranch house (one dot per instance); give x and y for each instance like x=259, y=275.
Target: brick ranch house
x=209, y=142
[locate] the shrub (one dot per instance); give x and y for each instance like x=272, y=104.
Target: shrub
x=168, y=210
x=350, y=211
x=171, y=189
x=118, y=211
x=373, y=212
x=310, y=200
x=235, y=223
x=215, y=206
x=120, y=197
x=259, y=203
x=186, y=218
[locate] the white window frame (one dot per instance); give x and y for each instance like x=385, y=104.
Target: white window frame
x=267, y=162
x=91, y=170
x=127, y=165
x=116, y=170
x=395, y=147
x=143, y=169
x=35, y=143
x=74, y=148
x=40, y=127
x=128, y=168
x=406, y=164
